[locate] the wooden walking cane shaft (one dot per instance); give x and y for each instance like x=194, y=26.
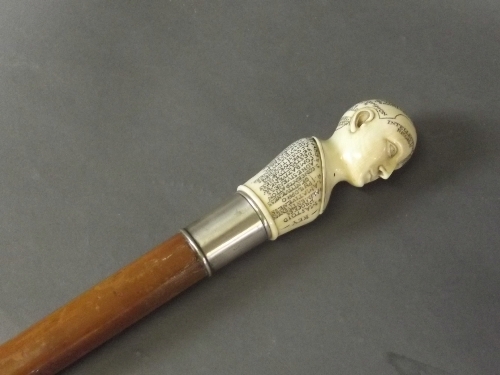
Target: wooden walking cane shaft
x=104, y=310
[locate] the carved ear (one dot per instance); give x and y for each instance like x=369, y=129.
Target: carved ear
x=360, y=118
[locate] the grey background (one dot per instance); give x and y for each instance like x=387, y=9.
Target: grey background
x=122, y=121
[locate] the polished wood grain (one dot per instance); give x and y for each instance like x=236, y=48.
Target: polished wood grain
x=103, y=311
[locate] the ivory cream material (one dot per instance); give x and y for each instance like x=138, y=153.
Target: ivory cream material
x=372, y=139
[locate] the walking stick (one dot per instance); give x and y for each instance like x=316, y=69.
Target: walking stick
x=372, y=139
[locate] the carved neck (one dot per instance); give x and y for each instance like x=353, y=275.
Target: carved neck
x=333, y=167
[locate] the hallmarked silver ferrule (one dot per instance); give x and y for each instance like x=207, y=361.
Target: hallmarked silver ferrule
x=227, y=232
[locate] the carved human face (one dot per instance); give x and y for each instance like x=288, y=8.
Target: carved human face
x=373, y=144
x=374, y=152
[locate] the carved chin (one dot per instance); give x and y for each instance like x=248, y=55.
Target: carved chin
x=361, y=179
x=357, y=181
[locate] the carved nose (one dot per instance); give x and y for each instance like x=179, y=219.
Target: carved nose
x=385, y=171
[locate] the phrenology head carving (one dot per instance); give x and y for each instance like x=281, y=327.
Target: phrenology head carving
x=373, y=139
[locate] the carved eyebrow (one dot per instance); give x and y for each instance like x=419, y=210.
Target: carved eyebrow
x=404, y=132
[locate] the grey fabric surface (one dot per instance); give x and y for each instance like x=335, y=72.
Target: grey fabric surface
x=122, y=121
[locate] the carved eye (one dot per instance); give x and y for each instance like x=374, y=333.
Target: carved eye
x=391, y=149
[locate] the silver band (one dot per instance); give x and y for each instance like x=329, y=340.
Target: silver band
x=227, y=232
x=198, y=251
x=259, y=212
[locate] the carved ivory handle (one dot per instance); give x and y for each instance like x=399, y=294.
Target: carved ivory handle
x=372, y=139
